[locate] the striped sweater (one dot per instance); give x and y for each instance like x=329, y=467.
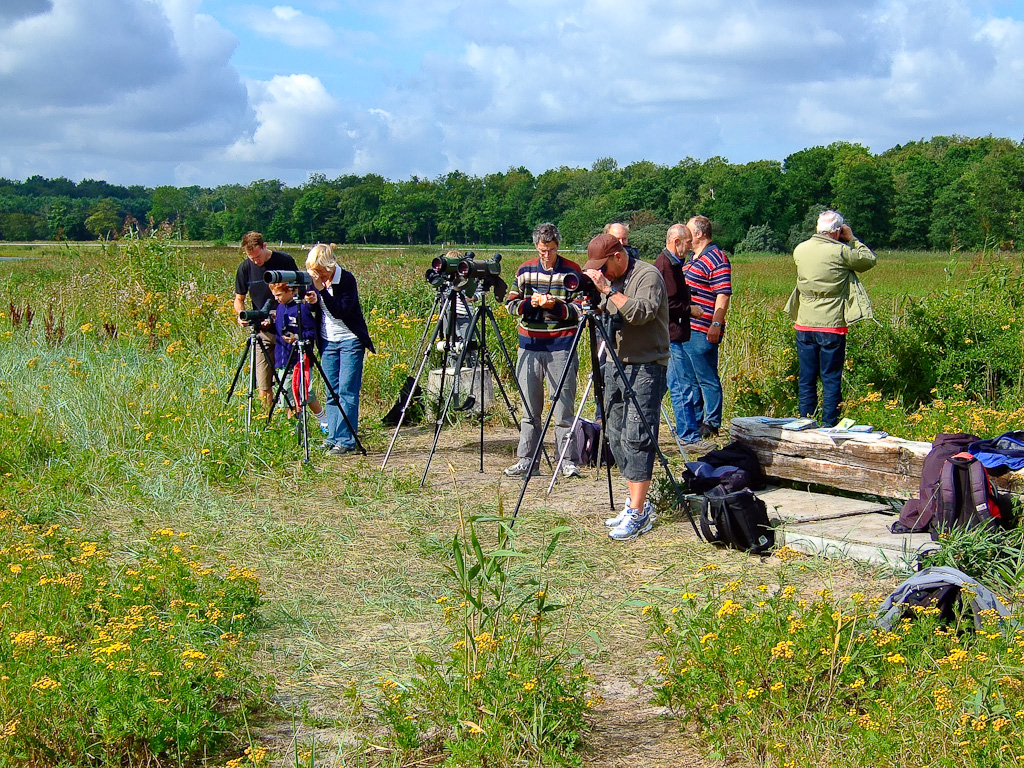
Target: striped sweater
x=708, y=274
x=543, y=330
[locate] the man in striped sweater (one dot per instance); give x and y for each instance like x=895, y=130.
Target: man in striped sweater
x=709, y=275
x=547, y=324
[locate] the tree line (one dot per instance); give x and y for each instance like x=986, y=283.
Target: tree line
x=948, y=191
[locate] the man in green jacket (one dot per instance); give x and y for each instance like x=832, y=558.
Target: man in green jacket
x=828, y=298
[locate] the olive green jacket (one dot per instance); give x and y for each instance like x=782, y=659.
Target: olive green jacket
x=828, y=293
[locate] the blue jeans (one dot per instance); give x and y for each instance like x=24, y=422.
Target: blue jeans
x=343, y=365
x=700, y=374
x=821, y=355
x=684, y=399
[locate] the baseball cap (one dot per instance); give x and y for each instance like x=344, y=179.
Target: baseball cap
x=600, y=249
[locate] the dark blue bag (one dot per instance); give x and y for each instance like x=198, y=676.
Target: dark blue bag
x=1000, y=454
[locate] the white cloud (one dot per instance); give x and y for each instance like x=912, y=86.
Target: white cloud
x=285, y=24
x=299, y=124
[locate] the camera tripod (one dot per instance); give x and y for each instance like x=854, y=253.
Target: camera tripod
x=253, y=345
x=304, y=354
x=590, y=320
x=445, y=306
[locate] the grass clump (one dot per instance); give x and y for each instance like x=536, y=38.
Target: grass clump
x=821, y=685
x=502, y=690
x=109, y=664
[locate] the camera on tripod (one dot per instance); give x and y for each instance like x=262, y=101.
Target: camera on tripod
x=255, y=316
x=294, y=279
x=576, y=285
x=459, y=272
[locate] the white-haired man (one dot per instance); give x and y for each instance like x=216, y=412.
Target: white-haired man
x=828, y=298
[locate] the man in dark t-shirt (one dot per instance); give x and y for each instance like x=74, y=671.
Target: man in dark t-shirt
x=249, y=281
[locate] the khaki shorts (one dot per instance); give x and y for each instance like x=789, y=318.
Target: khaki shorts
x=265, y=372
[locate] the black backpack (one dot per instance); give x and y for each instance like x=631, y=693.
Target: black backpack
x=966, y=498
x=738, y=520
x=414, y=413
x=587, y=437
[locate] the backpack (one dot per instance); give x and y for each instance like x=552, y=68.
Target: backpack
x=737, y=455
x=917, y=514
x=738, y=520
x=414, y=413
x=586, y=436
x=967, y=497
x=943, y=588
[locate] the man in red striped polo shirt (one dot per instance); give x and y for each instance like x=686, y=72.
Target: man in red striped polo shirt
x=709, y=275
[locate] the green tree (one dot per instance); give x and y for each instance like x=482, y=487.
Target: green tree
x=104, y=219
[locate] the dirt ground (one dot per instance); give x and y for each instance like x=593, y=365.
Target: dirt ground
x=344, y=639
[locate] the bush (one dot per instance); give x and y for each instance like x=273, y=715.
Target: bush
x=505, y=690
x=649, y=240
x=805, y=679
x=759, y=239
x=137, y=663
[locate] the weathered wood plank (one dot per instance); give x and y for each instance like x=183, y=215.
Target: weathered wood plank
x=890, y=467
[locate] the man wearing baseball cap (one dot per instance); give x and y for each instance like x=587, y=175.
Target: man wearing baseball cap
x=634, y=296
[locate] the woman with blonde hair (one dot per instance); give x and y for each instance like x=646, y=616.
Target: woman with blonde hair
x=343, y=340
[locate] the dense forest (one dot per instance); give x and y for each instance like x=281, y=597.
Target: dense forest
x=949, y=191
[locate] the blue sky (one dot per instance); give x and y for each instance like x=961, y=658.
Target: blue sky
x=217, y=91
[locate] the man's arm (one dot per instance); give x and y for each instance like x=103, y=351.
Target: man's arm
x=240, y=307
x=718, y=318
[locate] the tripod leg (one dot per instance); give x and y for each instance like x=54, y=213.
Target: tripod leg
x=268, y=358
x=554, y=404
x=572, y=431
x=280, y=383
x=501, y=388
x=238, y=372
x=672, y=429
x=337, y=403
x=597, y=353
x=425, y=354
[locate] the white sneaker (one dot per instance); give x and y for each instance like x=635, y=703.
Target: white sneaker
x=519, y=469
x=615, y=522
x=633, y=524
x=569, y=469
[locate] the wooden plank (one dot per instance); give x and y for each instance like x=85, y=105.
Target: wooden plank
x=890, y=467
x=835, y=475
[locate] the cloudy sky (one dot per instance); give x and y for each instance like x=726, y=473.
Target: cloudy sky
x=217, y=91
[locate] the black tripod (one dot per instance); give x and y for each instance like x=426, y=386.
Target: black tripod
x=253, y=345
x=445, y=305
x=303, y=353
x=589, y=319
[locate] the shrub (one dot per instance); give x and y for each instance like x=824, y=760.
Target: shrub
x=111, y=664
x=759, y=239
x=503, y=690
x=805, y=679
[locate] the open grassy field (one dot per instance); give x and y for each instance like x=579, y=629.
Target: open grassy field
x=235, y=606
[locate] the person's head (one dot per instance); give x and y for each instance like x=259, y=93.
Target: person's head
x=546, y=239
x=254, y=247
x=830, y=223
x=619, y=231
x=320, y=262
x=678, y=239
x=283, y=293
x=453, y=254
x=607, y=254
x=700, y=231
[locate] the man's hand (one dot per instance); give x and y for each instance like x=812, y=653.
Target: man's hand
x=601, y=282
x=311, y=297
x=845, y=233
x=715, y=333
x=696, y=311
x=543, y=300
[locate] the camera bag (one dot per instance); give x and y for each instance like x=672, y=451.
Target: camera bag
x=738, y=520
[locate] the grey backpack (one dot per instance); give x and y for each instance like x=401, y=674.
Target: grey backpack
x=943, y=588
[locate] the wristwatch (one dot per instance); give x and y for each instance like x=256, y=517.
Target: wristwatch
x=612, y=291
x=716, y=324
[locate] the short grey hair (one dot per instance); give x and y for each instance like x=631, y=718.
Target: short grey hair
x=830, y=222
x=546, y=233
x=677, y=230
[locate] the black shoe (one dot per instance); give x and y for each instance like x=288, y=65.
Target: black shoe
x=707, y=431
